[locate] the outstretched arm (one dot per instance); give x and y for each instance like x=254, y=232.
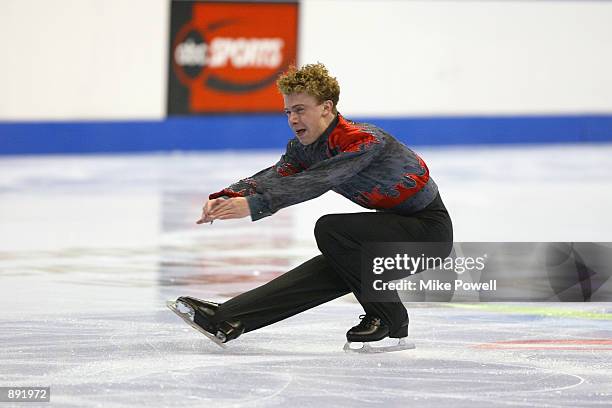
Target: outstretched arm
x=353, y=156
x=231, y=202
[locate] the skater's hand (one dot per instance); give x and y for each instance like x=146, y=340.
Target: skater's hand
x=210, y=204
x=237, y=207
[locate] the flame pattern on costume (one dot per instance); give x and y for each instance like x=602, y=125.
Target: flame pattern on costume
x=357, y=160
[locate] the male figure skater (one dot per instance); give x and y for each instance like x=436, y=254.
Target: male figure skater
x=357, y=160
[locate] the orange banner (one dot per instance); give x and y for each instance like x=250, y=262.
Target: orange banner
x=225, y=57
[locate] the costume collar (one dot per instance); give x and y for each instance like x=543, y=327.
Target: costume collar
x=330, y=128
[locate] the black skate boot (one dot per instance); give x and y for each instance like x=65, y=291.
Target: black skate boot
x=200, y=315
x=372, y=329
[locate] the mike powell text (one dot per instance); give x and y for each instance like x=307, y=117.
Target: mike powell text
x=435, y=285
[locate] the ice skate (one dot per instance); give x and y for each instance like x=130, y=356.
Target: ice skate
x=198, y=313
x=373, y=335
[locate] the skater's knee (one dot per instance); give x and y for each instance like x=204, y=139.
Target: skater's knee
x=332, y=232
x=325, y=225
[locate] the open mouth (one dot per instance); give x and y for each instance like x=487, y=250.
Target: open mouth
x=300, y=132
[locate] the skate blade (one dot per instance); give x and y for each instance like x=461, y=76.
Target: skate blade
x=401, y=345
x=172, y=305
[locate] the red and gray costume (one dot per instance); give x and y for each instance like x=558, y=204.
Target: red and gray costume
x=359, y=161
x=369, y=167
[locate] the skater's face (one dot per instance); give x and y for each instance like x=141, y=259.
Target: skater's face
x=307, y=117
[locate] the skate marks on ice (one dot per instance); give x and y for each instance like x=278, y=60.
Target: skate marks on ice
x=120, y=359
x=100, y=335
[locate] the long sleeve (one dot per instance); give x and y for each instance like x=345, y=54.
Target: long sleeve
x=286, y=166
x=350, y=155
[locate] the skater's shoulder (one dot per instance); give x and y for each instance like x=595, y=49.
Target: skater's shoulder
x=352, y=136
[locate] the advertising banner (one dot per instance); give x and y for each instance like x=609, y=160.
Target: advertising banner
x=225, y=56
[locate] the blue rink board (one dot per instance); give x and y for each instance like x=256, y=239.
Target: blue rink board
x=218, y=132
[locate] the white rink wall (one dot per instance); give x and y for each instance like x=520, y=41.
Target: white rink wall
x=464, y=57
x=93, y=59
x=83, y=59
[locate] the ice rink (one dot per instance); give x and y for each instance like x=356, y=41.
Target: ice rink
x=91, y=247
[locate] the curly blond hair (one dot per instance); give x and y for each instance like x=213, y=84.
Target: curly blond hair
x=313, y=79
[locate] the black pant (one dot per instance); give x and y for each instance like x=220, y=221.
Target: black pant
x=337, y=271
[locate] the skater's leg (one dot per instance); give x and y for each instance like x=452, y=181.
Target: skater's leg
x=304, y=287
x=341, y=245
x=340, y=238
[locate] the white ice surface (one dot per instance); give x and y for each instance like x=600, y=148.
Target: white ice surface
x=91, y=247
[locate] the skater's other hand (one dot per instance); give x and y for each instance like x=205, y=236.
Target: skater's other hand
x=210, y=204
x=237, y=207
